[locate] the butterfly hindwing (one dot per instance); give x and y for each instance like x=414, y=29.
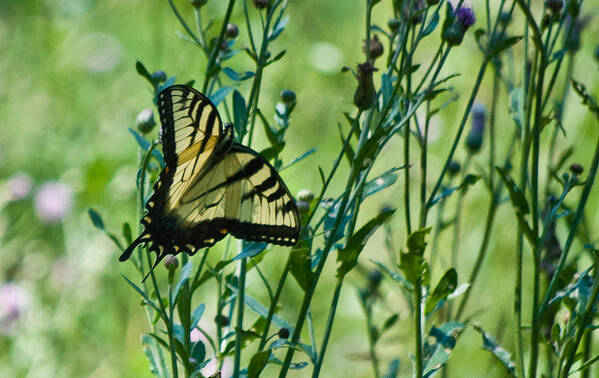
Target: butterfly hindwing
x=210, y=186
x=247, y=193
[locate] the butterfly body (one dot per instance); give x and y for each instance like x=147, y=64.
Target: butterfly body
x=210, y=186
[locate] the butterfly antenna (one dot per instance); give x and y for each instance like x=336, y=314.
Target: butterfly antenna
x=127, y=253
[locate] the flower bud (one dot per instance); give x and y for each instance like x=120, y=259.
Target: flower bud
x=555, y=6
x=288, y=97
x=375, y=47
x=474, y=140
x=374, y=278
x=365, y=94
x=261, y=4
x=504, y=18
x=158, y=77
x=453, y=168
x=576, y=169
x=198, y=3
x=221, y=320
x=232, y=30
x=171, y=262
x=393, y=24
x=145, y=121
x=305, y=195
x=455, y=28
x=283, y=333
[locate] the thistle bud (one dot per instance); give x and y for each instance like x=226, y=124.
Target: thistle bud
x=171, y=262
x=375, y=47
x=453, y=168
x=455, y=28
x=158, y=77
x=303, y=208
x=305, y=195
x=474, y=141
x=365, y=94
x=576, y=169
x=198, y=3
x=374, y=278
x=393, y=24
x=288, y=97
x=221, y=320
x=261, y=4
x=555, y=6
x=232, y=30
x=145, y=121
x=283, y=333
x=504, y=18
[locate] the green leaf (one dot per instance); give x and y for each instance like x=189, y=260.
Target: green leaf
x=300, y=262
x=516, y=106
x=183, y=278
x=278, y=28
x=276, y=57
x=218, y=96
x=503, y=44
x=127, y=232
x=394, y=275
x=491, y=345
x=447, y=284
x=153, y=354
x=96, y=218
x=255, y=306
x=143, y=294
x=430, y=27
x=518, y=201
x=393, y=369
x=439, y=352
x=142, y=71
x=348, y=256
x=196, y=315
x=257, y=363
x=587, y=99
x=250, y=249
x=299, y=158
x=416, y=242
x=237, y=76
x=381, y=182
x=239, y=112
x=145, y=145
x=198, y=351
x=390, y=322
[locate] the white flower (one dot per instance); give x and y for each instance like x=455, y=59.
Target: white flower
x=53, y=201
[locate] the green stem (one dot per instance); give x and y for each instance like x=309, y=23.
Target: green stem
x=585, y=321
x=216, y=48
x=329, y=327
x=240, y=307
x=478, y=82
x=418, y=327
x=578, y=215
x=273, y=304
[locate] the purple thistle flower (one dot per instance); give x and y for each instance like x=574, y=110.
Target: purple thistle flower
x=53, y=201
x=465, y=16
x=19, y=186
x=14, y=301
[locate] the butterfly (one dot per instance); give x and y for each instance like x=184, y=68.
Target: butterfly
x=210, y=185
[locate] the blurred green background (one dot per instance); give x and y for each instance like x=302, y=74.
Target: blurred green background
x=68, y=93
